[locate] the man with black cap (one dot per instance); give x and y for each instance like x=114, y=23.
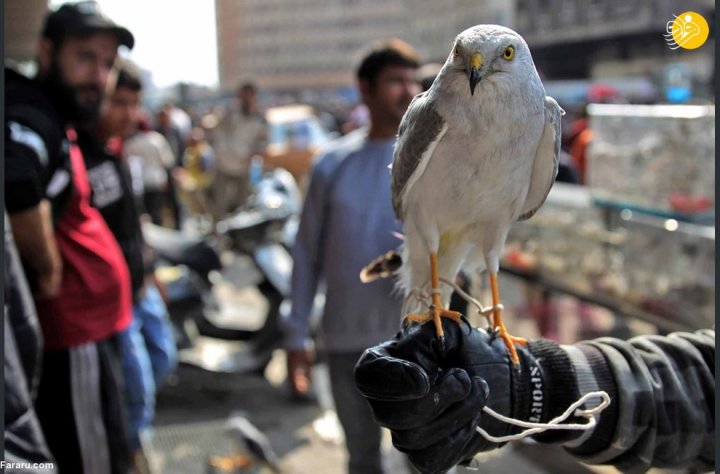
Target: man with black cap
x=80, y=280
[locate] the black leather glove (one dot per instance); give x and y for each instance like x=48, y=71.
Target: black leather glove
x=431, y=397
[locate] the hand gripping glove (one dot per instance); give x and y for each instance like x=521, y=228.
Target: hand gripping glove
x=431, y=397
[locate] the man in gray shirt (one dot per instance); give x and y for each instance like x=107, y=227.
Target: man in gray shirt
x=347, y=221
x=241, y=134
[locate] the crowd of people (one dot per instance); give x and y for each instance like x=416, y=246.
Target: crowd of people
x=72, y=206
x=88, y=340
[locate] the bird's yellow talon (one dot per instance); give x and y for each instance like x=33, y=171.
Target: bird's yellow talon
x=510, y=342
x=436, y=309
x=435, y=315
x=417, y=318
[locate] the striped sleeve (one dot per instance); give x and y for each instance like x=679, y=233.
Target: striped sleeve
x=663, y=391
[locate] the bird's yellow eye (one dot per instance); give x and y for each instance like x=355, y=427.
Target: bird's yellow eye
x=509, y=53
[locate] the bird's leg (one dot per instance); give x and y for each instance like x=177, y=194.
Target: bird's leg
x=498, y=324
x=436, y=309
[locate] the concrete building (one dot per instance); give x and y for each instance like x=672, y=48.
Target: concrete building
x=606, y=39
x=433, y=25
x=289, y=46
x=21, y=30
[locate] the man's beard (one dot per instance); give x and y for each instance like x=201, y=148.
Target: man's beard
x=65, y=97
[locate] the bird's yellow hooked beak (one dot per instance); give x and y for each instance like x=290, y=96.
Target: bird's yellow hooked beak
x=476, y=62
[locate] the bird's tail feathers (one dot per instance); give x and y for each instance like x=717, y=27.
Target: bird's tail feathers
x=382, y=267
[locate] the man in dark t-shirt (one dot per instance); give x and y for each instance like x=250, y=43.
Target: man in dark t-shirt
x=147, y=347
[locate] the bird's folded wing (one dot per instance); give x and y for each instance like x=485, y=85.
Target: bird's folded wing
x=545, y=166
x=421, y=129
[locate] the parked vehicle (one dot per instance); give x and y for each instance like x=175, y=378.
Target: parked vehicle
x=294, y=138
x=247, y=251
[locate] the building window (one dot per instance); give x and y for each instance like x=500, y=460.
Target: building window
x=568, y=14
x=596, y=10
x=620, y=8
x=544, y=17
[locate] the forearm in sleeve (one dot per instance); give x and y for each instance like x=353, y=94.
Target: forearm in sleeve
x=306, y=265
x=663, y=398
x=34, y=238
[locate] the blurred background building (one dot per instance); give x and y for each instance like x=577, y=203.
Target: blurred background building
x=306, y=52
x=291, y=49
x=23, y=20
x=613, y=40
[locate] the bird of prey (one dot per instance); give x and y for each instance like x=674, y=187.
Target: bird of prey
x=249, y=441
x=475, y=153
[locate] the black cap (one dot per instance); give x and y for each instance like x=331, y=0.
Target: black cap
x=82, y=18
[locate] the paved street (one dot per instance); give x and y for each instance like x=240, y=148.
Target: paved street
x=191, y=416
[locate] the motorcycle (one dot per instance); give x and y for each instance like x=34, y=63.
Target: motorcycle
x=212, y=278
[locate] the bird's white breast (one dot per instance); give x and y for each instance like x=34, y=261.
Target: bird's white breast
x=480, y=170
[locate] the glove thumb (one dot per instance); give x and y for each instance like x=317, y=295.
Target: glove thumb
x=380, y=376
x=448, y=440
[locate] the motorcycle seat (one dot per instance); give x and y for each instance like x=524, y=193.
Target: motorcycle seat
x=179, y=248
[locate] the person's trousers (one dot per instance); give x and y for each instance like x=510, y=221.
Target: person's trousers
x=149, y=355
x=154, y=202
x=24, y=440
x=151, y=315
x=230, y=192
x=173, y=202
x=362, y=434
x=82, y=410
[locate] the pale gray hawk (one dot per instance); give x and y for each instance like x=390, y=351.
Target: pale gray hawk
x=475, y=153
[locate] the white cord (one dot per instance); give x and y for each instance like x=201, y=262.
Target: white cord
x=485, y=312
x=533, y=428
x=555, y=423
x=418, y=295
